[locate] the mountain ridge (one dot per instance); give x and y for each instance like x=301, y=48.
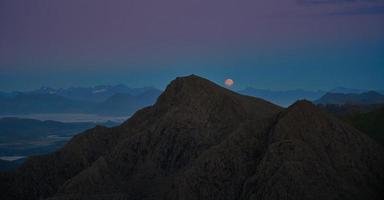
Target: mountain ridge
x=365, y=98
x=47, y=102
x=283, y=97
x=98, y=93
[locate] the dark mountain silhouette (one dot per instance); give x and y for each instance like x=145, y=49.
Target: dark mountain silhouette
x=201, y=141
x=366, y=118
x=282, y=98
x=371, y=122
x=365, y=98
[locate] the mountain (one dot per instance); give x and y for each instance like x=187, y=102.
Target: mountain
x=371, y=123
x=79, y=100
x=365, y=98
x=125, y=104
x=98, y=93
x=345, y=90
x=282, y=98
x=340, y=110
x=288, y=97
x=366, y=118
x=201, y=141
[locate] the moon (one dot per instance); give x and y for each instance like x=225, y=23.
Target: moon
x=229, y=82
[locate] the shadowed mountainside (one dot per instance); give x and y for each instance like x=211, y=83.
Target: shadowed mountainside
x=371, y=122
x=201, y=141
x=366, y=118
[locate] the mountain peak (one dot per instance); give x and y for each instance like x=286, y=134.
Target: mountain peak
x=303, y=109
x=192, y=76
x=189, y=88
x=189, y=81
x=199, y=94
x=302, y=105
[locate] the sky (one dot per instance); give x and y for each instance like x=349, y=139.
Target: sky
x=271, y=44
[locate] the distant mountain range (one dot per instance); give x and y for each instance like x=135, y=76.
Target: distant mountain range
x=365, y=98
x=345, y=90
x=98, y=93
x=283, y=98
x=121, y=103
x=202, y=141
x=288, y=97
x=108, y=100
x=123, y=100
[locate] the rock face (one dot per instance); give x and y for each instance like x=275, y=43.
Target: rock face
x=201, y=141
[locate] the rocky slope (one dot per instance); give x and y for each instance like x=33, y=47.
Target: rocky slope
x=201, y=141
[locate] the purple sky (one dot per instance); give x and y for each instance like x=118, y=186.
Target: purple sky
x=45, y=41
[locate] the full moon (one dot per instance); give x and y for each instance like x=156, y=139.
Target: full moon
x=228, y=82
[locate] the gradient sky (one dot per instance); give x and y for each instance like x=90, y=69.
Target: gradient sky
x=275, y=44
